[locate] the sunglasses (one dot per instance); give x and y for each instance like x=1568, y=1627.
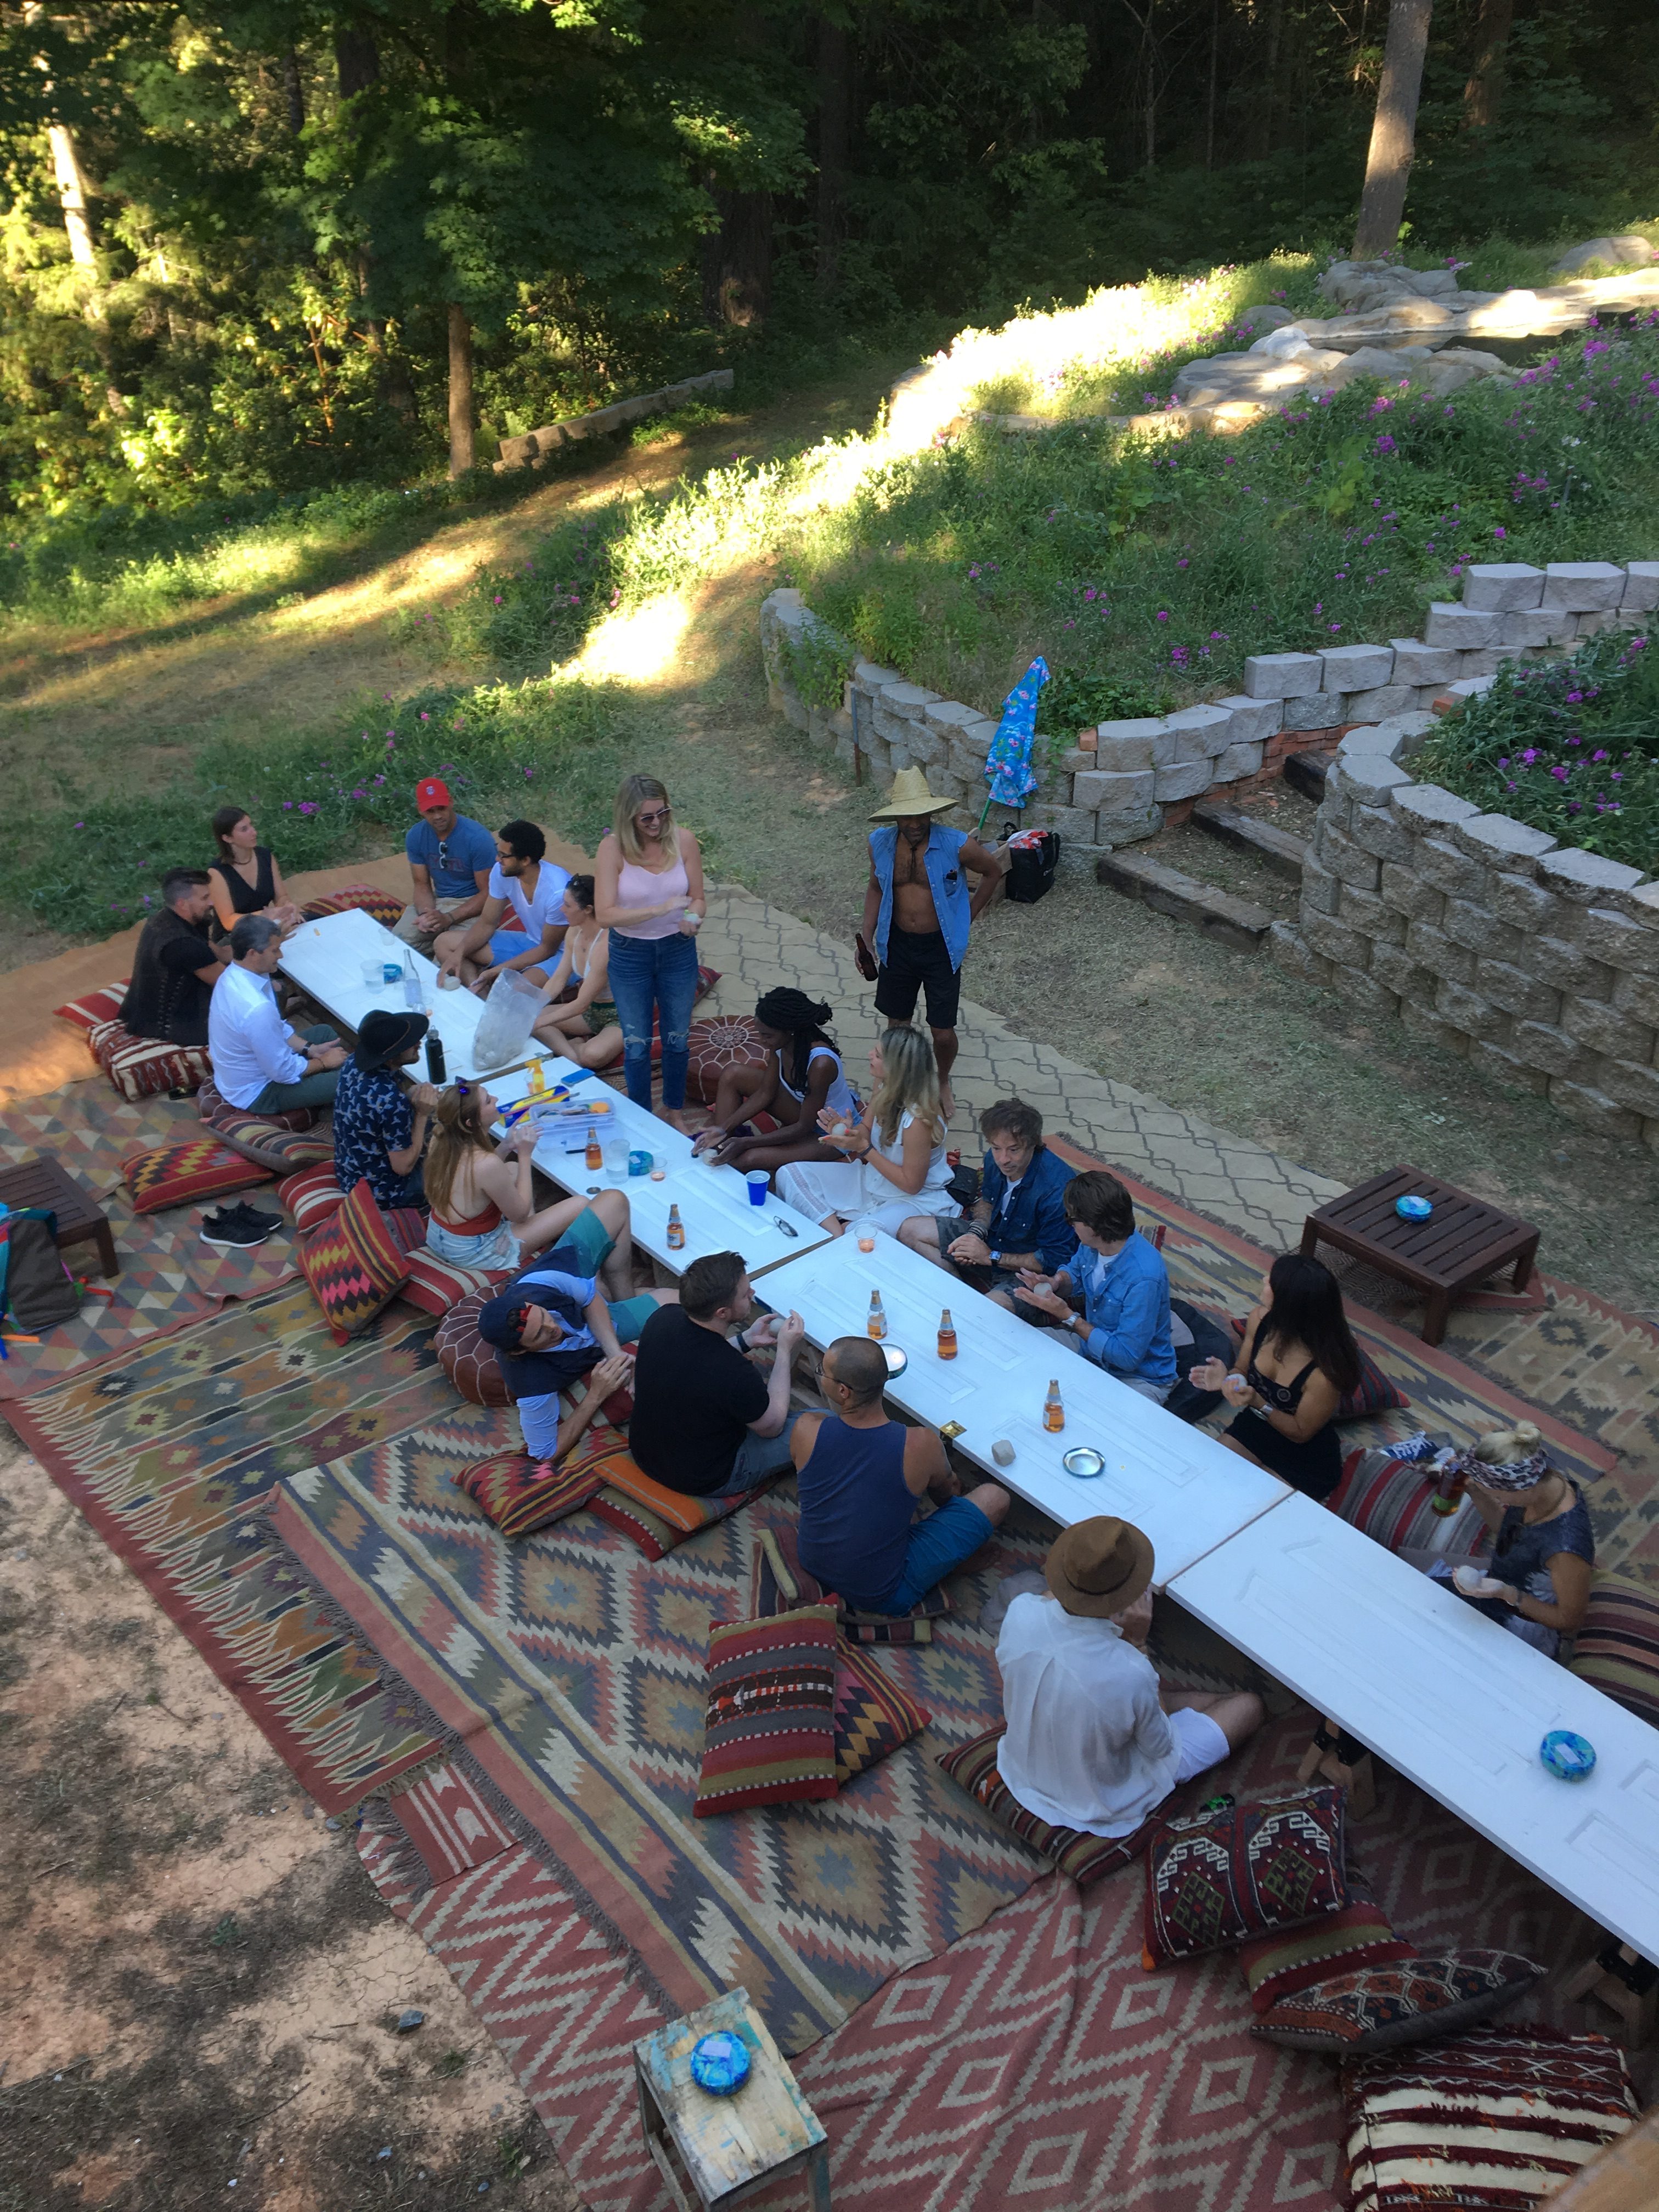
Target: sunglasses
x=653, y=814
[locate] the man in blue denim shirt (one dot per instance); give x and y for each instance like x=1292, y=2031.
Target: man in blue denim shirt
x=1121, y=1283
x=1019, y=1220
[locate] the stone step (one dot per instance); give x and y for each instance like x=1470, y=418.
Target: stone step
x=1306, y=772
x=1235, y=921
x=1275, y=848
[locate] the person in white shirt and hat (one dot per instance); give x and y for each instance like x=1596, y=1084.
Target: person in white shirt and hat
x=917, y=909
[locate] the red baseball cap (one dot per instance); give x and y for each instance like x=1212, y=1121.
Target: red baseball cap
x=432, y=791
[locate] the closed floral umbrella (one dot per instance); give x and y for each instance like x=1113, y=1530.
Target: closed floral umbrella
x=1008, y=764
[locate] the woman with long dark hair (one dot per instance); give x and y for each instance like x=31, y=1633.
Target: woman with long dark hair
x=1297, y=1358
x=890, y=1161
x=583, y=1027
x=245, y=878
x=801, y=1074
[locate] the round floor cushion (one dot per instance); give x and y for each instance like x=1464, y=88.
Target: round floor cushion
x=720, y=1042
x=470, y=1364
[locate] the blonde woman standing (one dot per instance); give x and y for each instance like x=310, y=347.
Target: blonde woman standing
x=895, y=1166
x=483, y=1202
x=648, y=893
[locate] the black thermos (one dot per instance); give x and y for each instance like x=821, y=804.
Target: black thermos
x=436, y=1073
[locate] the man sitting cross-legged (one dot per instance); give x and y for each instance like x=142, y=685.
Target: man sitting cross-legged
x=1120, y=1282
x=177, y=965
x=704, y=1421
x=259, y=1063
x=1019, y=1220
x=860, y=1478
x=553, y=1324
x=1094, y=1742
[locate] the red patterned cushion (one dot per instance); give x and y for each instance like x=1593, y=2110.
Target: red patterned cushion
x=874, y=1714
x=312, y=1198
x=178, y=1175
x=354, y=1264
x=215, y=1109
x=436, y=1286
x=655, y=1518
x=720, y=1042
x=1084, y=1858
x=1496, y=2120
x=1381, y=2008
x=280, y=1142
x=386, y=906
x=1220, y=1877
x=1617, y=1647
x=1388, y=1499
x=780, y=1582
x=1292, y=1959
x=471, y=1365
x=769, y=1727
x=520, y=1494
x=96, y=1006
x=146, y=1068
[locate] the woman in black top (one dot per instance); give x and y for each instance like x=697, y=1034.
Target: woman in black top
x=1297, y=1358
x=246, y=877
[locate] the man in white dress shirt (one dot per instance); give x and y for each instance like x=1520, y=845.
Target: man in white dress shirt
x=259, y=1063
x=1094, y=1740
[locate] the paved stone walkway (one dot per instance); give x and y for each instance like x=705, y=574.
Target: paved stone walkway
x=757, y=945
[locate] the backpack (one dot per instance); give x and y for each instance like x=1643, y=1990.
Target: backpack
x=36, y=1288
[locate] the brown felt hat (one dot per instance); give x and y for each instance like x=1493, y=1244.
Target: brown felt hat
x=1099, y=1567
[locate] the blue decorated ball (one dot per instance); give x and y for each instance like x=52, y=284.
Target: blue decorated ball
x=719, y=2063
x=1569, y=1756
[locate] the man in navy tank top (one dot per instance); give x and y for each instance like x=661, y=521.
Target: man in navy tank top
x=861, y=1478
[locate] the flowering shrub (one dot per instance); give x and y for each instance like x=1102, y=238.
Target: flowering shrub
x=1571, y=747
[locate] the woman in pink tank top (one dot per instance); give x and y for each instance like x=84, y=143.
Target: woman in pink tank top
x=649, y=892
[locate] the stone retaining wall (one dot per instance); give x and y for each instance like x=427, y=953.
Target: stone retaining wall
x=1121, y=781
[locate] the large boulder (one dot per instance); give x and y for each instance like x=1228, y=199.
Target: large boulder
x=1626, y=251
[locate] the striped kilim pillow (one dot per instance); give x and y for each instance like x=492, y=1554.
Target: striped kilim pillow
x=1082, y=1857
x=520, y=1494
x=96, y=1006
x=874, y=1714
x=312, y=1198
x=1493, y=2120
x=1362, y=2009
x=1617, y=1647
x=1388, y=1499
x=769, y=1726
x=145, y=1067
x=161, y=1175
x=1292, y=1959
x=284, y=1142
x=658, y=1520
x=354, y=1264
x=436, y=1286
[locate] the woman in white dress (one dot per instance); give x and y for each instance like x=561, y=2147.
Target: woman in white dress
x=895, y=1165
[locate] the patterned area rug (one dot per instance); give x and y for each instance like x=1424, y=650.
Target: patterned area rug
x=571, y=1668
x=168, y=1277
x=1033, y=2060
x=169, y=1450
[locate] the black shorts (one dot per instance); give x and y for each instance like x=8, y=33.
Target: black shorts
x=915, y=964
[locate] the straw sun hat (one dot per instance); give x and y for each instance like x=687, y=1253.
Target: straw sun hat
x=910, y=796
x=1099, y=1567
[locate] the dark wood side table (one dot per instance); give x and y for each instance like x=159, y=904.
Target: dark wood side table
x=1462, y=1242
x=43, y=1183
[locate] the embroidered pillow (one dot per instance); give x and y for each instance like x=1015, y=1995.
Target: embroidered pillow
x=874, y=1714
x=1221, y=1877
x=1083, y=1858
x=1359, y=1934
x=717, y=1043
x=1494, y=2121
x=1617, y=1647
x=353, y=1264
x=1378, y=2007
x=179, y=1174
x=520, y=1494
x=312, y=1197
x=145, y=1067
x=769, y=1726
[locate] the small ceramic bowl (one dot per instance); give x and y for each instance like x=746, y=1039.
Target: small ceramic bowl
x=1084, y=1462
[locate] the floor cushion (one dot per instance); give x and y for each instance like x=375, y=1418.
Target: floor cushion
x=1223, y=1876
x=367, y=898
x=146, y=1068
x=780, y=1582
x=720, y=1042
x=472, y=1366
x=1617, y=1647
x=1084, y=1858
x=1359, y=1934
x=1381, y=2008
x=284, y=1142
x=1492, y=2121
x=312, y=1197
x=436, y=1286
x=93, y=1007
x=658, y=1520
x=520, y=1494
x=1388, y=1498
x=874, y=1714
x=160, y=1176
x=353, y=1263
x=769, y=1723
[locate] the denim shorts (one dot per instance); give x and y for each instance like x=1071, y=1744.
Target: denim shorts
x=940, y=1542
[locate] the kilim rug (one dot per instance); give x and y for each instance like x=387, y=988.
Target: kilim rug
x=168, y=1450
x=572, y=1670
x=1034, y=2060
x=168, y=1277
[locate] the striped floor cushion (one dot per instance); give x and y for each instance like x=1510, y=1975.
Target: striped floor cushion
x=283, y=1143
x=1359, y=1934
x=161, y=1175
x=437, y=1286
x=146, y=1068
x=1366, y=2009
x=780, y=1582
x=1388, y=1498
x=1493, y=2120
x=1082, y=1858
x=769, y=1723
x=1617, y=1647
x=658, y=1520
x=520, y=1494
x=353, y=1263
x=312, y=1197
x=95, y=1006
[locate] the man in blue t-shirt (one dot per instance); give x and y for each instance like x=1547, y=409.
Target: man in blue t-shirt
x=450, y=858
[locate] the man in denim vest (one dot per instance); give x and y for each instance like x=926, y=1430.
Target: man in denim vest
x=917, y=908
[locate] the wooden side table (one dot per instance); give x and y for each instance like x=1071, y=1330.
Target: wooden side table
x=729, y=2146
x=43, y=1183
x=1463, y=1241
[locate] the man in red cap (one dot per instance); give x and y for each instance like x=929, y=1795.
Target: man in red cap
x=450, y=857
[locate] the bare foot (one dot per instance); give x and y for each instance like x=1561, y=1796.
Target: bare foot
x=947, y=1101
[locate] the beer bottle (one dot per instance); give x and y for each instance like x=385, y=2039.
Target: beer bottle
x=947, y=1336
x=1053, y=1413
x=675, y=1238
x=594, y=1156
x=877, y=1324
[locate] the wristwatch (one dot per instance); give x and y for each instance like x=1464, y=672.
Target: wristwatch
x=1080, y=1324
x=996, y=1258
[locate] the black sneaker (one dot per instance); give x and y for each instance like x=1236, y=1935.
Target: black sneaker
x=271, y=1223
x=229, y=1230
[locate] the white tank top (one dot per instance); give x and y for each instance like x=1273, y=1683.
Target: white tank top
x=841, y=1096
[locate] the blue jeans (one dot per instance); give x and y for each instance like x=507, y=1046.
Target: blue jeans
x=658, y=973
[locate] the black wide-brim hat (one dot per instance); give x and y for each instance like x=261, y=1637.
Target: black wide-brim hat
x=384, y=1033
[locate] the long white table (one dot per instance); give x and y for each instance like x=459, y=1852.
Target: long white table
x=326, y=959
x=1187, y=1492
x=1449, y=1699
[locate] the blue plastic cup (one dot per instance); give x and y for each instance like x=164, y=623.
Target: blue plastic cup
x=758, y=1180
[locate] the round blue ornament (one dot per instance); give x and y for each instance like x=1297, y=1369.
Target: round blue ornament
x=1412, y=1209
x=719, y=2063
x=1569, y=1756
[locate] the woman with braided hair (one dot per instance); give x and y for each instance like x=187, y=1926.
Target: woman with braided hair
x=801, y=1074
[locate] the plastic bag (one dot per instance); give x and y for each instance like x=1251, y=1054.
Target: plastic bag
x=511, y=1007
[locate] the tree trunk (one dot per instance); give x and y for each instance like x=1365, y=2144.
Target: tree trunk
x=293, y=92
x=460, y=391
x=1209, y=112
x=737, y=260
x=356, y=59
x=72, y=195
x=1394, y=133
x=1485, y=89
x=1268, y=100
x=835, y=109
